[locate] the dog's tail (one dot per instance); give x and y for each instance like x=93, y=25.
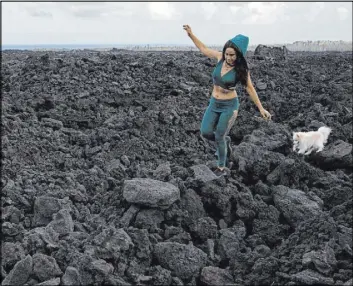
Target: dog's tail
x=325, y=131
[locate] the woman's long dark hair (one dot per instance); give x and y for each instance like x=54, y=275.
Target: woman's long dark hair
x=241, y=66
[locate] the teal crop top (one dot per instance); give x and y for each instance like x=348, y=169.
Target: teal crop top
x=227, y=81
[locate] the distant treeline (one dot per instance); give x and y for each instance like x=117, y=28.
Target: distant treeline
x=309, y=46
x=319, y=46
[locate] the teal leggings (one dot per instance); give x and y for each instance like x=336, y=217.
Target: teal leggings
x=216, y=123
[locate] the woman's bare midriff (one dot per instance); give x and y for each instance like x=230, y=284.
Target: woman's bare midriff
x=223, y=94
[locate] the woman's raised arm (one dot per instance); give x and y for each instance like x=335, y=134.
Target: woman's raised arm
x=201, y=46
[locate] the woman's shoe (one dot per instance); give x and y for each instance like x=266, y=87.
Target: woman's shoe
x=219, y=173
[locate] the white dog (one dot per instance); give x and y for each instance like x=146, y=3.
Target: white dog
x=308, y=141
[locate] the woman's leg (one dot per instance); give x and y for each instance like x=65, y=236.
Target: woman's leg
x=208, y=124
x=225, y=123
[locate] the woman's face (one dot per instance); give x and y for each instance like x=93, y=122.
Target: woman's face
x=230, y=56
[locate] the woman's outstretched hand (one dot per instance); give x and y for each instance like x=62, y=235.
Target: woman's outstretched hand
x=187, y=29
x=265, y=114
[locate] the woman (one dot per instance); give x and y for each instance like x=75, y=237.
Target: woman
x=223, y=107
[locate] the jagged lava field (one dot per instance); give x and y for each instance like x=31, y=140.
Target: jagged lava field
x=106, y=180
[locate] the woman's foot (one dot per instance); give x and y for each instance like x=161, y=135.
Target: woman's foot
x=220, y=171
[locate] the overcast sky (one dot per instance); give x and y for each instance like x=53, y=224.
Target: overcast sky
x=161, y=22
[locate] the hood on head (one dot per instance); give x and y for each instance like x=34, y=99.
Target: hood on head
x=241, y=42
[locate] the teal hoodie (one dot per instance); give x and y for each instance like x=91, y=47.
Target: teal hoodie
x=241, y=42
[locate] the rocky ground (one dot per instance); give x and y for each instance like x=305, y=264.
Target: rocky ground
x=106, y=181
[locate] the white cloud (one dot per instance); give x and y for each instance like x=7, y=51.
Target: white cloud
x=234, y=9
x=265, y=13
x=343, y=13
x=208, y=9
x=231, y=13
x=85, y=9
x=161, y=10
x=100, y=9
x=41, y=14
x=37, y=10
x=316, y=9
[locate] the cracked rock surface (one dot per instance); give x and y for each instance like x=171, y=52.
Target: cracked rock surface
x=106, y=180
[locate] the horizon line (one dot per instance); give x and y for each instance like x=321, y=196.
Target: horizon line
x=164, y=44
